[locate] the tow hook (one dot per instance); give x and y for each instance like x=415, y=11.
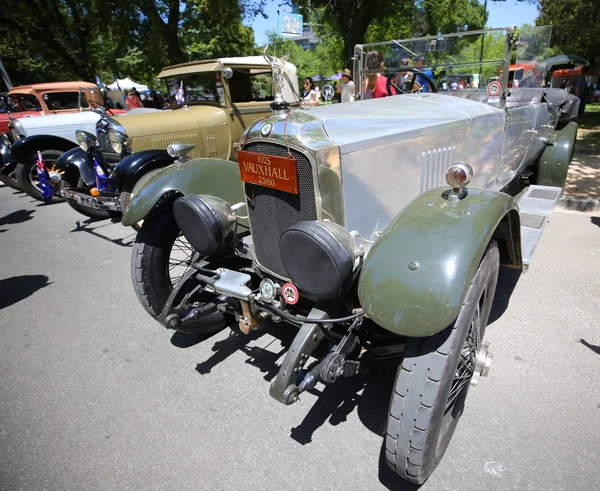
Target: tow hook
x=483, y=362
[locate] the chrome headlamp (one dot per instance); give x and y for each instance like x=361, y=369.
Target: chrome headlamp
x=118, y=140
x=16, y=130
x=86, y=140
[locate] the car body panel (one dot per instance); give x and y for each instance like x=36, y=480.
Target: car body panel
x=554, y=161
x=76, y=158
x=137, y=164
x=216, y=177
x=418, y=271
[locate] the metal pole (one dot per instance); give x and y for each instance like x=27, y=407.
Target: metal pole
x=5, y=76
x=481, y=52
x=276, y=29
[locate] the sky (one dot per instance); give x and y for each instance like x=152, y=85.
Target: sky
x=501, y=14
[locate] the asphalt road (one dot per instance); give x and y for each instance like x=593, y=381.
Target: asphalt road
x=96, y=395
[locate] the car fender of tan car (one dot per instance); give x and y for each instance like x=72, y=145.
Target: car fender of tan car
x=417, y=274
x=216, y=177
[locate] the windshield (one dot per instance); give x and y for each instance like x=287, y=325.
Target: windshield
x=57, y=101
x=23, y=102
x=194, y=89
x=470, y=60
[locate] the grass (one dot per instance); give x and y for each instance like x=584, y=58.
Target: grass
x=589, y=126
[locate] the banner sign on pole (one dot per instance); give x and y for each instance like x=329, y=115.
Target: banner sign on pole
x=290, y=26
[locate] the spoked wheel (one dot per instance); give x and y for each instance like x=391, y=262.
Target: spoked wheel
x=26, y=172
x=10, y=180
x=434, y=378
x=160, y=257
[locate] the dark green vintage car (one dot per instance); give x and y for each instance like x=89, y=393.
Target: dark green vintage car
x=376, y=227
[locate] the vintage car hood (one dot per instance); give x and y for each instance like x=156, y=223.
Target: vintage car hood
x=357, y=126
x=167, y=122
x=62, y=125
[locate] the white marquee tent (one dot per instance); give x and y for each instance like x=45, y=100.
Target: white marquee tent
x=126, y=83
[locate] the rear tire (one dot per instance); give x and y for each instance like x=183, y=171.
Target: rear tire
x=26, y=172
x=433, y=380
x=152, y=274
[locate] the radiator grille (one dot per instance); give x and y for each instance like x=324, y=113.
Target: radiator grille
x=272, y=212
x=104, y=142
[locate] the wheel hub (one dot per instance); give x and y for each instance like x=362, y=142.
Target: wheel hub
x=483, y=362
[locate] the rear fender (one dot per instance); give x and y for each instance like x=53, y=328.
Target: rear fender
x=555, y=159
x=417, y=274
x=77, y=163
x=130, y=169
x=35, y=143
x=217, y=177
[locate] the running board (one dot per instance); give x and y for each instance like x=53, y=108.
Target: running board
x=535, y=206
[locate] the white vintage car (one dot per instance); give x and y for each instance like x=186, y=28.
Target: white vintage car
x=375, y=227
x=52, y=135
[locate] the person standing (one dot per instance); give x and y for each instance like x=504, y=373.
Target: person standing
x=420, y=64
x=309, y=94
x=580, y=89
x=346, y=87
x=132, y=100
x=376, y=83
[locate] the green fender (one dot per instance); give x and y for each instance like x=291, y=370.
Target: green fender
x=217, y=177
x=555, y=159
x=417, y=274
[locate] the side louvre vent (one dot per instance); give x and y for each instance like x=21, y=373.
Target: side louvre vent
x=210, y=146
x=164, y=141
x=434, y=164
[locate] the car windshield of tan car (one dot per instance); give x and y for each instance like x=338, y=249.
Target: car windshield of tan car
x=193, y=89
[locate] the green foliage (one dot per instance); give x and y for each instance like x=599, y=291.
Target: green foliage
x=576, y=27
x=55, y=40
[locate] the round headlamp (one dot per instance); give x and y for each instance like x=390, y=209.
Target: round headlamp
x=118, y=141
x=16, y=130
x=86, y=140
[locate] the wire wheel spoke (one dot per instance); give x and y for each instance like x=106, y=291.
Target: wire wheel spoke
x=180, y=258
x=468, y=355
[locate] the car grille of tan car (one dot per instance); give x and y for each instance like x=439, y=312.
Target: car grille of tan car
x=272, y=212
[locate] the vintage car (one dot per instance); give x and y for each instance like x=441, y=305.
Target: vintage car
x=52, y=135
x=213, y=101
x=49, y=98
x=377, y=227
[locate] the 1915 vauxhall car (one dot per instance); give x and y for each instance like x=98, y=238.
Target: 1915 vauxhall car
x=351, y=235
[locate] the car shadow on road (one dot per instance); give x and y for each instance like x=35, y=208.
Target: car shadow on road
x=15, y=217
x=94, y=227
x=593, y=347
x=595, y=220
x=507, y=281
x=17, y=288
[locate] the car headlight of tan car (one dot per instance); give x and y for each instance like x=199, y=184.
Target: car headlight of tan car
x=118, y=140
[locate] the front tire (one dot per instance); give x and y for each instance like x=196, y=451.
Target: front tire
x=92, y=212
x=10, y=180
x=160, y=257
x=433, y=380
x=26, y=172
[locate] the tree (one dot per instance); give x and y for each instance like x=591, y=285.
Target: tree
x=360, y=21
x=576, y=27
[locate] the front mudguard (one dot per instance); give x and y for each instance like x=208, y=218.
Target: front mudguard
x=417, y=274
x=77, y=163
x=555, y=159
x=216, y=177
x=34, y=143
x=7, y=163
x=131, y=168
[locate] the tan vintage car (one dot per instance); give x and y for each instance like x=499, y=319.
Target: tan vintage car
x=213, y=101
